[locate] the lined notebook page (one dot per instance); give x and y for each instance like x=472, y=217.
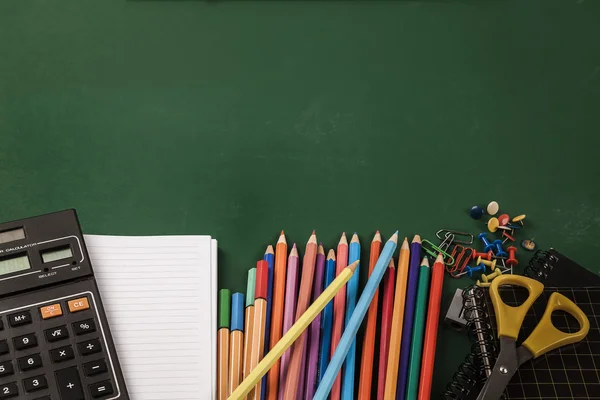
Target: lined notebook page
x=160, y=300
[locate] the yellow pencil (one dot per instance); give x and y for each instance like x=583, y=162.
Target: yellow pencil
x=293, y=333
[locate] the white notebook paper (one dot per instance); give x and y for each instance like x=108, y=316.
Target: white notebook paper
x=160, y=297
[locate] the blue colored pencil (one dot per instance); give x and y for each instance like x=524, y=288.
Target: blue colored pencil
x=356, y=319
x=327, y=318
x=351, y=295
x=409, y=314
x=270, y=259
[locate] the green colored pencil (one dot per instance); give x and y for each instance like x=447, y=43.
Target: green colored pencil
x=416, y=349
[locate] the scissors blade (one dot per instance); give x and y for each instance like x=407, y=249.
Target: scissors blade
x=504, y=369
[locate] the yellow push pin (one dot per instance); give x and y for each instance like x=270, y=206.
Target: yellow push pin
x=487, y=263
x=483, y=284
x=519, y=219
x=493, y=224
x=488, y=278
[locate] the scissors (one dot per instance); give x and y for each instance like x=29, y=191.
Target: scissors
x=544, y=338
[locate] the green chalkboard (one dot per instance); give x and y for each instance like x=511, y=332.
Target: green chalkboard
x=240, y=118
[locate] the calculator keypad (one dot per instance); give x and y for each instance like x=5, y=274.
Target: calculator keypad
x=55, y=351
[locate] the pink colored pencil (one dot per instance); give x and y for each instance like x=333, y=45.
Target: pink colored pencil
x=301, y=382
x=315, y=330
x=339, y=307
x=291, y=295
x=387, y=308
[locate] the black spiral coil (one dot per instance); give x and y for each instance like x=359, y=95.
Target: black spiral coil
x=470, y=376
x=540, y=265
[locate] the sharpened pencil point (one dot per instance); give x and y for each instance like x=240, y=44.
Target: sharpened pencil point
x=269, y=250
x=391, y=264
x=377, y=237
x=425, y=262
x=404, y=244
x=282, y=233
x=320, y=250
x=331, y=255
x=353, y=266
x=394, y=238
x=282, y=238
x=355, y=239
x=343, y=239
x=439, y=259
x=314, y=232
x=416, y=239
x=294, y=251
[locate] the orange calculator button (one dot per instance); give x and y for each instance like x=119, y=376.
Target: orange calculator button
x=51, y=311
x=79, y=304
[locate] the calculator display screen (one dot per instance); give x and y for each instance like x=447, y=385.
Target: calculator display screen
x=14, y=264
x=56, y=254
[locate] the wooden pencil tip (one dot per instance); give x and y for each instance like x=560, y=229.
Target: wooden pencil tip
x=282, y=238
x=377, y=237
x=294, y=246
x=320, y=250
x=282, y=233
x=331, y=255
x=404, y=244
x=355, y=239
x=394, y=238
x=439, y=259
x=391, y=264
x=270, y=250
x=343, y=239
x=294, y=251
x=425, y=261
x=417, y=239
x=314, y=232
x=353, y=266
x=312, y=239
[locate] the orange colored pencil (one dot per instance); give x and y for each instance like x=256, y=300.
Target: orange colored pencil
x=387, y=307
x=391, y=375
x=279, y=275
x=249, y=320
x=366, y=370
x=223, y=344
x=339, y=307
x=260, y=321
x=431, y=329
x=293, y=383
x=236, y=341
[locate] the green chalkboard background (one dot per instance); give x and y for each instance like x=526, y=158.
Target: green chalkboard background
x=240, y=118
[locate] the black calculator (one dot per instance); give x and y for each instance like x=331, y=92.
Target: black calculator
x=55, y=343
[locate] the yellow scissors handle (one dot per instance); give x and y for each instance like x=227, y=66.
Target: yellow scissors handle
x=546, y=337
x=508, y=318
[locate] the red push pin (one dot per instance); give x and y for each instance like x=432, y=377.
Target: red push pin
x=507, y=236
x=485, y=256
x=504, y=219
x=512, y=261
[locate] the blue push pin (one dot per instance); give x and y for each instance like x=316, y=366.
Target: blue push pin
x=499, y=252
x=476, y=212
x=488, y=246
x=470, y=270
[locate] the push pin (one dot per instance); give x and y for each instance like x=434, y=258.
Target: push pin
x=512, y=261
x=487, y=245
x=493, y=208
x=486, y=256
x=519, y=219
x=488, y=278
x=528, y=244
x=493, y=224
x=503, y=219
x=470, y=270
x=476, y=212
x=487, y=263
x=507, y=236
x=499, y=251
x=483, y=284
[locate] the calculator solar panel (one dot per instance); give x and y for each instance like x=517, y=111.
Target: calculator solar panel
x=55, y=342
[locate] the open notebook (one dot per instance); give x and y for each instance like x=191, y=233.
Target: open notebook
x=160, y=296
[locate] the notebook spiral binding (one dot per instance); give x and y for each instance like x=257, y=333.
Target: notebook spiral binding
x=540, y=265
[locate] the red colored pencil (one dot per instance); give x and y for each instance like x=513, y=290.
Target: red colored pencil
x=339, y=307
x=387, y=308
x=431, y=328
x=366, y=368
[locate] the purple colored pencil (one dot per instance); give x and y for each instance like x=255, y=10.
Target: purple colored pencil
x=409, y=314
x=289, y=310
x=312, y=365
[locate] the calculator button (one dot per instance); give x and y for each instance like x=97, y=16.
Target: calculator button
x=69, y=384
x=51, y=311
x=83, y=327
x=95, y=367
x=25, y=341
x=4, y=347
x=36, y=383
x=62, y=354
x=18, y=319
x=9, y=390
x=30, y=362
x=56, y=334
x=101, y=389
x=6, y=368
x=78, y=304
x=89, y=347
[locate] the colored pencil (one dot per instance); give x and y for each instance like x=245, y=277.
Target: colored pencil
x=356, y=319
x=249, y=320
x=416, y=348
x=314, y=338
x=293, y=384
x=293, y=333
x=409, y=314
x=339, y=306
x=223, y=344
x=302, y=379
x=391, y=373
x=368, y=350
x=327, y=320
x=351, y=295
x=279, y=274
x=269, y=257
x=431, y=328
x=260, y=320
x=236, y=341
x=387, y=308
x=291, y=295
